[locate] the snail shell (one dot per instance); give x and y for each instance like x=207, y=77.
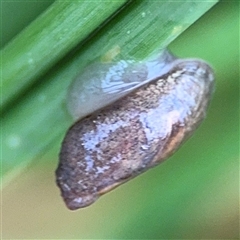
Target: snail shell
x=133, y=134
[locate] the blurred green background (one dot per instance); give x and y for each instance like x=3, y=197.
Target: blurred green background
x=193, y=195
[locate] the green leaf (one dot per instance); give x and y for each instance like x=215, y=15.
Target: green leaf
x=48, y=39
x=40, y=117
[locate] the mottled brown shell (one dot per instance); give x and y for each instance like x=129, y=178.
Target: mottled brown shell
x=133, y=134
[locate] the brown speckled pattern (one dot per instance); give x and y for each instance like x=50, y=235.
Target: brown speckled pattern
x=122, y=140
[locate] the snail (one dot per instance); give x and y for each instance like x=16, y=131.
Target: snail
x=160, y=104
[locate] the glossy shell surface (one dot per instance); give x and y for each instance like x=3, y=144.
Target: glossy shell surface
x=133, y=134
